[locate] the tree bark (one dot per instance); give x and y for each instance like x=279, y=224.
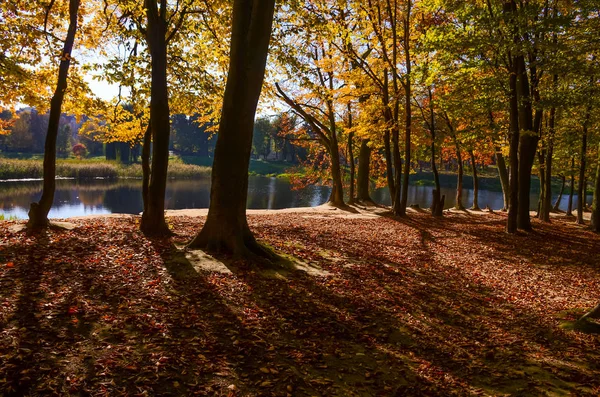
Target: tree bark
x=459, y=184
x=542, y=179
x=407, y=111
x=582, y=164
x=146, y=166
x=503, y=174
x=38, y=213
x=153, y=219
x=226, y=228
x=351, y=157
x=594, y=313
x=364, y=165
x=596, y=200
x=560, y=194
x=388, y=164
x=352, y=168
x=528, y=142
x=513, y=202
x=475, y=182
x=437, y=206
x=546, y=206
x=571, y=188
x=336, y=197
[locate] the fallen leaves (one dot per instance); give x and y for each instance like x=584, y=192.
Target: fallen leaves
x=403, y=307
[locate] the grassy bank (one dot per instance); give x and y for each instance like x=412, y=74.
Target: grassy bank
x=487, y=182
x=84, y=169
x=277, y=169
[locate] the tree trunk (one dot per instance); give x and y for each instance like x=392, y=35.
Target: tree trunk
x=560, y=194
x=364, y=165
x=397, y=169
x=527, y=149
x=571, y=188
x=503, y=174
x=226, y=227
x=596, y=200
x=459, y=185
x=388, y=164
x=337, y=192
x=594, y=313
x=351, y=156
x=352, y=168
x=153, y=219
x=542, y=179
x=547, y=196
x=111, y=151
x=146, y=166
x=407, y=111
x=582, y=164
x=38, y=213
x=437, y=206
x=475, y=183
x=513, y=202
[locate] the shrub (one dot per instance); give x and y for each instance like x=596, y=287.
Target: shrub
x=79, y=150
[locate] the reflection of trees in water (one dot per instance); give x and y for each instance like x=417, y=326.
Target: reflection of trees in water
x=124, y=199
x=91, y=198
x=124, y=196
x=182, y=194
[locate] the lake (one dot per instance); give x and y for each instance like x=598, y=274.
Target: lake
x=98, y=196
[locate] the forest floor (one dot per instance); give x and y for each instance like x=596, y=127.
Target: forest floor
x=368, y=305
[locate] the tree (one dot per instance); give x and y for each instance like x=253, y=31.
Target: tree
x=313, y=89
x=38, y=213
x=226, y=227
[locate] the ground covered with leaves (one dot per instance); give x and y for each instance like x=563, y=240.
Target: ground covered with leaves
x=411, y=306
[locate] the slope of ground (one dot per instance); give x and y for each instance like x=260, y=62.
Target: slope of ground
x=383, y=306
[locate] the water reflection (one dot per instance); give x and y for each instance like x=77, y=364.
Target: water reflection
x=76, y=198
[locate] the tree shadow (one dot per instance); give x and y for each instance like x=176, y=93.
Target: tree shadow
x=401, y=312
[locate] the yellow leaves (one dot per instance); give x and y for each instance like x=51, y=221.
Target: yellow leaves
x=5, y=125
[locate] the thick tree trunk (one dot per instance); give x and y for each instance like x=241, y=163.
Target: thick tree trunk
x=337, y=192
x=226, y=227
x=111, y=151
x=560, y=194
x=596, y=200
x=503, y=174
x=571, y=189
x=582, y=165
x=364, y=166
x=513, y=202
x=475, y=182
x=153, y=219
x=38, y=213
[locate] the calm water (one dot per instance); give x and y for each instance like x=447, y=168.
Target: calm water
x=76, y=198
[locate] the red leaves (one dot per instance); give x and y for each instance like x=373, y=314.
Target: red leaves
x=397, y=307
